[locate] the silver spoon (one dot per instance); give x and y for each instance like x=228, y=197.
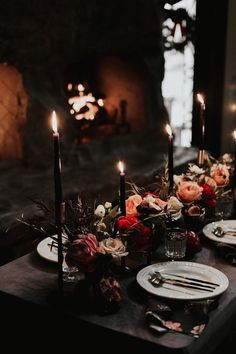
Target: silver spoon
x=219, y=232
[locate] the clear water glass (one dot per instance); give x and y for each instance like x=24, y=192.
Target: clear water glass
x=223, y=208
x=175, y=243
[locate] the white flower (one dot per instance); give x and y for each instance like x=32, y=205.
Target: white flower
x=150, y=200
x=226, y=158
x=100, y=211
x=113, y=246
x=107, y=205
x=196, y=170
x=178, y=179
x=174, y=204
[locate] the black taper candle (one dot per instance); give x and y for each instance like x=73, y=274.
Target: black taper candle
x=170, y=158
x=171, y=164
x=122, y=189
x=58, y=200
x=234, y=177
x=202, y=127
x=201, y=130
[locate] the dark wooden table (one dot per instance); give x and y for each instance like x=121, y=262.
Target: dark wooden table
x=27, y=285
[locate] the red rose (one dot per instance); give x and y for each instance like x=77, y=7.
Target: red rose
x=140, y=236
x=124, y=223
x=208, y=196
x=82, y=252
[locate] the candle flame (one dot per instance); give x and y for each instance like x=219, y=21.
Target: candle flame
x=234, y=134
x=200, y=98
x=168, y=130
x=81, y=87
x=233, y=107
x=54, y=122
x=121, y=166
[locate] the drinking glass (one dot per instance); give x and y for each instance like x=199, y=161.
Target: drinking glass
x=175, y=243
x=223, y=208
x=71, y=274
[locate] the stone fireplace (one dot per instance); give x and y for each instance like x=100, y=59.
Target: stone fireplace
x=114, y=46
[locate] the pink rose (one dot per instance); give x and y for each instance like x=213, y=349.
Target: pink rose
x=82, y=252
x=220, y=174
x=131, y=204
x=188, y=192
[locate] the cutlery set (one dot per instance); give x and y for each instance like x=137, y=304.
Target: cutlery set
x=157, y=279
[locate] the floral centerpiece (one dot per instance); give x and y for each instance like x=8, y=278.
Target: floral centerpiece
x=200, y=189
x=90, y=244
x=97, y=240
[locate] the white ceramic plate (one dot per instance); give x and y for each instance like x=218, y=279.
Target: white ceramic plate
x=45, y=251
x=225, y=224
x=189, y=269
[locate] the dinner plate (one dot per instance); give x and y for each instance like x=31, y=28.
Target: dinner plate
x=187, y=269
x=47, y=252
x=225, y=224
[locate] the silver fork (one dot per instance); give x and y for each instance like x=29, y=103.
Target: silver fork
x=157, y=279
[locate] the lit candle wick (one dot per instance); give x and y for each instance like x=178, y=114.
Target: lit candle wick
x=122, y=188
x=121, y=166
x=54, y=122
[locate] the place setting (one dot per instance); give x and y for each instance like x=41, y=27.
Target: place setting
x=180, y=294
x=179, y=279
x=223, y=231
x=182, y=280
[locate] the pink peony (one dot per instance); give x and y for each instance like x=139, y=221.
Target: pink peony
x=131, y=204
x=82, y=252
x=188, y=192
x=220, y=174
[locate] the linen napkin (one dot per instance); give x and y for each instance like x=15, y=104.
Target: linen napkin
x=188, y=318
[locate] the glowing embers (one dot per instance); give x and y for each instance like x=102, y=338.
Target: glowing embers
x=83, y=105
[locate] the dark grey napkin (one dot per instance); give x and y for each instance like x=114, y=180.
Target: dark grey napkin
x=189, y=318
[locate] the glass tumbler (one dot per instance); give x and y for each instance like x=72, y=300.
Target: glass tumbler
x=175, y=243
